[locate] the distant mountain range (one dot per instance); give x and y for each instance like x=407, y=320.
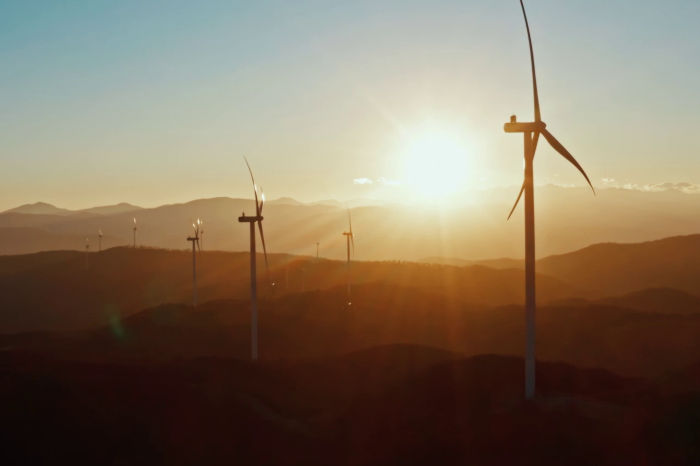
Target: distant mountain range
x=42, y=208
x=567, y=219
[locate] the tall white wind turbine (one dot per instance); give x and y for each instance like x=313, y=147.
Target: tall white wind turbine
x=252, y=221
x=350, y=241
x=195, y=246
x=531, y=132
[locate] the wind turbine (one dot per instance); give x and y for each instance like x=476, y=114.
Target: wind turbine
x=531, y=132
x=252, y=220
x=99, y=240
x=350, y=239
x=195, y=245
x=201, y=234
x=135, y=232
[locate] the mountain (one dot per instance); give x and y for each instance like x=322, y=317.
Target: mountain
x=224, y=411
x=56, y=291
x=567, y=219
x=397, y=404
x=38, y=208
x=655, y=300
x=613, y=268
x=120, y=208
x=501, y=263
x=296, y=324
x=27, y=240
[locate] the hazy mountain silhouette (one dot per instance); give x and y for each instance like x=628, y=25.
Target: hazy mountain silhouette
x=38, y=208
x=568, y=219
x=54, y=290
x=613, y=268
x=657, y=300
x=22, y=240
x=616, y=268
x=315, y=324
x=120, y=208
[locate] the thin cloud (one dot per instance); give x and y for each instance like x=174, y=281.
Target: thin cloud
x=381, y=180
x=362, y=181
x=684, y=187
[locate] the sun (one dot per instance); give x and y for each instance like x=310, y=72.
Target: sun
x=436, y=164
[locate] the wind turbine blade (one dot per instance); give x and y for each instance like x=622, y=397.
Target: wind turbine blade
x=352, y=243
x=532, y=62
x=350, y=222
x=262, y=201
x=199, y=248
x=520, y=194
x=262, y=239
x=565, y=153
x=255, y=187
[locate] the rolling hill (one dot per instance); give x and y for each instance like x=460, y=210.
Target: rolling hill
x=55, y=290
x=428, y=407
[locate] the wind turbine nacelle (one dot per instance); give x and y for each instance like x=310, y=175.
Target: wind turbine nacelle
x=530, y=127
x=250, y=219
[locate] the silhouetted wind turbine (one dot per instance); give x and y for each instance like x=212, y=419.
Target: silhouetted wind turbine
x=257, y=218
x=201, y=234
x=99, y=240
x=531, y=132
x=350, y=240
x=135, y=232
x=195, y=245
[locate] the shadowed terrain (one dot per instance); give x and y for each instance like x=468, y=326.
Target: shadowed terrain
x=111, y=364
x=55, y=290
x=387, y=405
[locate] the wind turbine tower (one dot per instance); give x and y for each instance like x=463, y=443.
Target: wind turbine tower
x=531, y=132
x=252, y=221
x=99, y=240
x=135, y=232
x=195, y=245
x=350, y=241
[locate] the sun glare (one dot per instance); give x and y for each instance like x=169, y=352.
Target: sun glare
x=436, y=165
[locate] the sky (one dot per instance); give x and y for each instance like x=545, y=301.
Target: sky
x=153, y=102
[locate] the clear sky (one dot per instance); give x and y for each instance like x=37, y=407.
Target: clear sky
x=157, y=101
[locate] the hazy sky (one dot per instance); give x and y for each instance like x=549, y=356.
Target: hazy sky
x=154, y=102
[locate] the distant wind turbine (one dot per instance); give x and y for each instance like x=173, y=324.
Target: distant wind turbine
x=350, y=240
x=531, y=132
x=99, y=240
x=195, y=245
x=201, y=234
x=252, y=220
x=135, y=232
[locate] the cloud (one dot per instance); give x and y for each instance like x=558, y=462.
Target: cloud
x=684, y=187
x=608, y=180
x=362, y=181
x=381, y=180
